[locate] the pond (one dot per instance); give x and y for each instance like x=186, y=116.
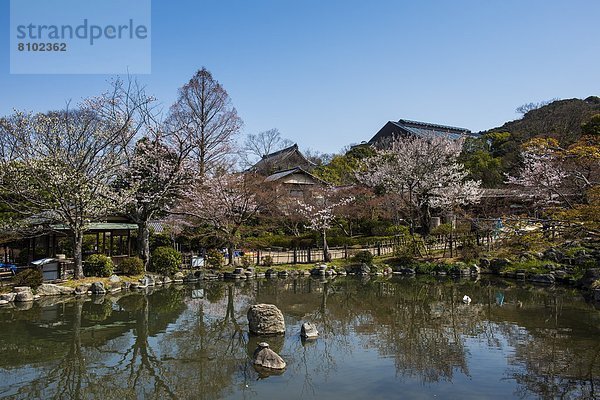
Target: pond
x=410, y=338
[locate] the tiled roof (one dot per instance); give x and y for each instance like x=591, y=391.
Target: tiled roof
x=418, y=129
x=267, y=161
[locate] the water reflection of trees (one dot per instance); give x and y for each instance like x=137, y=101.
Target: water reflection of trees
x=169, y=344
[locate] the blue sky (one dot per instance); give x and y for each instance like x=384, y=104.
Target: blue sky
x=330, y=73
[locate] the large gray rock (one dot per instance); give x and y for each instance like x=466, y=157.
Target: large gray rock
x=97, y=288
x=3, y=302
x=266, y=358
x=23, y=295
x=265, y=319
x=147, y=280
x=82, y=289
x=114, y=279
x=49, y=289
x=8, y=297
x=178, y=277
x=309, y=331
x=18, y=289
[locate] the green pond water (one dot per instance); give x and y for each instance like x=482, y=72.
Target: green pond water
x=379, y=339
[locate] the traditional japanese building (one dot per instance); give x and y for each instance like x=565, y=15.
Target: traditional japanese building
x=404, y=127
x=284, y=159
x=290, y=169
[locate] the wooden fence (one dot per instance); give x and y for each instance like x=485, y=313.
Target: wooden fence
x=422, y=246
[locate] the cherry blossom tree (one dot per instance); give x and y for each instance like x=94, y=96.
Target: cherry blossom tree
x=226, y=203
x=425, y=172
x=203, y=114
x=159, y=172
x=542, y=174
x=62, y=165
x=320, y=213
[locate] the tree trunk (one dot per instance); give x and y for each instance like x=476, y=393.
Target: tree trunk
x=325, y=248
x=143, y=241
x=78, y=254
x=425, y=219
x=230, y=248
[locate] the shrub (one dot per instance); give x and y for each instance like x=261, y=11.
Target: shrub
x=364, y=256
x=405, y=254
x=470, y=251
x=31, y=277
x=267, y=261
x=442, y=229
x=98, y=265
x=159, y=240
x=165, y=260
x=246, y=261
x=215, y=259
x=132, y=266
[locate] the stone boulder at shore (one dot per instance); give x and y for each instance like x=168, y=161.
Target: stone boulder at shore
x=265, y=319
x=23, y=294
x=49, y=289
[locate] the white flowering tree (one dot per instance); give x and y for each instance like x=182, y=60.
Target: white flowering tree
x=542, y=175
x=320, y=213
x=158, y=173
x=61, y=166
x=226, y=203
x=425, y=172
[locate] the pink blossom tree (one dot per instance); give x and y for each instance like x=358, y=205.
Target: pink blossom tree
x=226, y=203
x=425, y=172
x=159, y=173
x=542, y=176
x=320, y=212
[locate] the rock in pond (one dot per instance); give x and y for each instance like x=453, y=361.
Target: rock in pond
x=23, y=294
x=82, y=289
x=8, y=297
x=178, y=277
x=265, y=319
x=266, y=358
x=49, y=289
x=309, y=331
x=97, y=288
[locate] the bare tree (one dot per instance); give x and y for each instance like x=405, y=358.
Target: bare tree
x=263, y=143
x=204, y=115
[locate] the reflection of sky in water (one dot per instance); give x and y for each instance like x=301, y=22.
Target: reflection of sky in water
x=402, y=339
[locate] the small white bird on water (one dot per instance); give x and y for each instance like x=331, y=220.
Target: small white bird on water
x=466, y=299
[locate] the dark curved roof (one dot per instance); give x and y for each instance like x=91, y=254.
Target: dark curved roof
x=408, y=127
x=278, y=161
